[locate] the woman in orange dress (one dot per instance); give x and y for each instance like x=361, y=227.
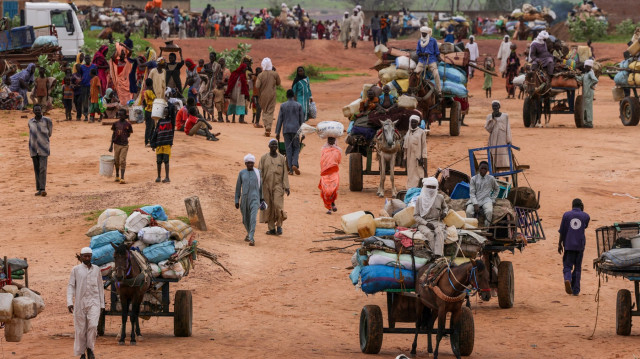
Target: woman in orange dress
x=330, y=174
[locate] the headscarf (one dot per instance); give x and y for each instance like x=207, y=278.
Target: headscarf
x=506, y=37
x=240, y=74
x=543, y=35
x=251, y=158
x=298, y=77
x=588, y=63
x=99, y=57
x=190, y=64
x=161, y=60
x=424, y=39
x=266, y=64
x=108, y=93
x=24, y=75
x=428, y=195
x=86, y=250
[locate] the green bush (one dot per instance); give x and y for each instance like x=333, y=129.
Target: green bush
x=626, y=27
x=233, y=57
x=589, y=29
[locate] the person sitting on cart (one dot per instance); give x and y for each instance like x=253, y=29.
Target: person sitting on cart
x=483, y=191
x=368, y=105
x=539, y=54
x=430, y=210
x=428, y=55
x=572, y=241
x=386, y=101
x=589, y=82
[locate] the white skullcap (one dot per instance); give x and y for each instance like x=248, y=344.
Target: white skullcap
x=588, y=63
x=272, y=140
x=249, y=158
x=346, y=13
x=429, y=181
x=86, y=250
x=506, y=36
x=472, y=37
x=544, y=34
x=358, y=7
x=266, y=64
x=494, y=102
x=414, y=117
x=426, y=29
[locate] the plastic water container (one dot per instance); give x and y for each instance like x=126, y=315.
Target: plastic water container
x=350, y=222
x=635, y=242
x=405, y=218
x=136, y=114
x=460, y=191
x=157, y=111
x=366, y=226
x=385, y=222
x=6, y=307
x=454, y=219
x=106, y=165
x=618, y=94
x=13, y=330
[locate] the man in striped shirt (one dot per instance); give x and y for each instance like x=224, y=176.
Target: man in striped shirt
x=40, y=129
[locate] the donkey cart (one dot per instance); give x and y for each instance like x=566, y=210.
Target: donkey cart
x=156, y=303
x=401, y=308
x=542, y=99
x=626, y=265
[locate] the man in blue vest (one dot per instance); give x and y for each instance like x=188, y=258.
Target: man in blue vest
x=572, y=241
x=428, y=55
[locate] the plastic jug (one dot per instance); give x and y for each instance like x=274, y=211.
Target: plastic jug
x=404, y=218
x=350, y=222
x=366, y=226
x=453, y=218
x=385, y=222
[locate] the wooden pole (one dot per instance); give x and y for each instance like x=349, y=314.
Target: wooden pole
x=194, y=212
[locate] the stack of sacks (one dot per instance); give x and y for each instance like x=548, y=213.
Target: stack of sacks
x=17, y=308
x=622, y=77
x=452, y=79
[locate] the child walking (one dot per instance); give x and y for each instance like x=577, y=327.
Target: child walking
x=488, y=79
x=96, y=90
x=67, y=97
x=41, y=89
x=218, y=101
x=149, y=96
x=162, y=140
x=120, y=143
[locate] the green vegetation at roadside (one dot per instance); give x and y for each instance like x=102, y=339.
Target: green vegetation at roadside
x=92, y=43
x=93, y=215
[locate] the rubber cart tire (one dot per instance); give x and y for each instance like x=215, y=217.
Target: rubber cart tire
x=623, y=312
x=355, y=172
x=371, y=329
x=578, y=112
x=101, y=324
x=630, y=111
x=454, y=119
x=505, y=285
x=531, y=111
x=467, y=332
x=182, y=313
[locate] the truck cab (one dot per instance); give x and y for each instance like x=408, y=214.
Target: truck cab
x=63, y=17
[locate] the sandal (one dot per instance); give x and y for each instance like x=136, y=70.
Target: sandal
x=271, y=232
x=252, y=243
x=166, y=180
x=279, y=231
x=246, y=239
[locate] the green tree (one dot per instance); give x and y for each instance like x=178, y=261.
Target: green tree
x=589, y=29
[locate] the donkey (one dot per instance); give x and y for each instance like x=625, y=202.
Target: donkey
x=388, y=142
x=132, y=281
x=446, y=295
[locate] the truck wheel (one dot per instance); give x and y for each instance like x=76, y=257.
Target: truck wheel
x=526, y=112
x=578, y=112
x=454, y=119
x=355, y=172
x=371, y=329
x=467, y=332
x=630, y=111
x=623, y=312
x=101, y=324
x=182, y=313
x=505, y=285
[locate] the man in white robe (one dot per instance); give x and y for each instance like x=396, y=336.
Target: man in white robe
x=415, y=152
x=85, y=284
x=355, y=22
x=503, y=54
x=474, y=53
x=499, y=135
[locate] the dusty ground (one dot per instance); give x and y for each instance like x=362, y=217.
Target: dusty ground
x=283, y=301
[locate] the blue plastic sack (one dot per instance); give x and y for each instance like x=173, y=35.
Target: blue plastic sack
x=157, y=212
x=381, y=232
x=159, y=252
x=44, y=41
x=106, y=238
x=452, y=73
x=102, y=255
x=350, y=127
x=452, y=88
x=411, y=192
x=379, y=277
x=622, y=78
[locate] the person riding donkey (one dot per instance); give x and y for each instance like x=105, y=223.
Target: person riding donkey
x=428, y=56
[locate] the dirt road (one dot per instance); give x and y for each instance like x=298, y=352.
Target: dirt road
x=283, y=301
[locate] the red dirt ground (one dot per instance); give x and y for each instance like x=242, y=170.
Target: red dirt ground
x=283, y=301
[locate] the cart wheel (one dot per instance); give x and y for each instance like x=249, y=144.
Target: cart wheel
x=531, y=111
x=578, y=112
x=101, y=324
x=355, y=172
x=454, y=119
x=182, y=313
x=505, y=284
x=623, y=312
x=467, y=332
x=371, y=329
x=630, y=111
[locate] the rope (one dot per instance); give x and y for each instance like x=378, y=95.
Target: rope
x=597, y=300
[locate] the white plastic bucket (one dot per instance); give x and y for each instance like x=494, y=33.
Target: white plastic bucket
x=106, y=165
x=136, y=114
x=635, y=242
x=157, y=110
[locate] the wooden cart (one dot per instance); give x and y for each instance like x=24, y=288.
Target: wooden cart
x=182, y=306
x=609, y=237
x=401, y=308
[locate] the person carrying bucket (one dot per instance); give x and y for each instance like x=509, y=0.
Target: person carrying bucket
x=120, y=143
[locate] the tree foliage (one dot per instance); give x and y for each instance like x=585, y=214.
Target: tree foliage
x=52, y=69
x=626, y=27
x=588, y=29
x=233, y=57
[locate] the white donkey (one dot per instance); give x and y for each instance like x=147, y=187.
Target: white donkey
x=388, y=143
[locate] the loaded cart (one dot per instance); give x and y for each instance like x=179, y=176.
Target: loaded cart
x=619, y=256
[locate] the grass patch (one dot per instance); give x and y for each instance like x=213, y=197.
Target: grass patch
x=93, y=215
x=184, y=219
x=24, y=134
x=323, y=73
x=281, y=94
x=92, y=43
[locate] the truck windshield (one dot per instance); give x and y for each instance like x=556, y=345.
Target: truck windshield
x=64, y=19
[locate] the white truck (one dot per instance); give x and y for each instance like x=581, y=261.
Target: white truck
x=63, y=17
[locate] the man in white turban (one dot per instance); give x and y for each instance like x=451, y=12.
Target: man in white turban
x=249, y=196
x=85, y=285
x=275, y=183
x=266, y=83
x=355, y=24
x=429, y=213
x=345, y=29
x=540, y=55
x=415, y=152
x=428, y=55
x=503, y=54
x=589, y=82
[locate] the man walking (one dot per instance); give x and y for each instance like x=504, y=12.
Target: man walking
x=85, y=284
x=121, y=130
x=85, y=84
x=375, y=29
x=275, y=183
x=474, y=53
x=266, y=84
x=415, y=152
x=572, y=241
x=290, y=119
x=40, y=130
x=249, y=196
x=589, y=82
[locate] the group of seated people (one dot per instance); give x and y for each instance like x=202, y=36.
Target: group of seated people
x=193, y=123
